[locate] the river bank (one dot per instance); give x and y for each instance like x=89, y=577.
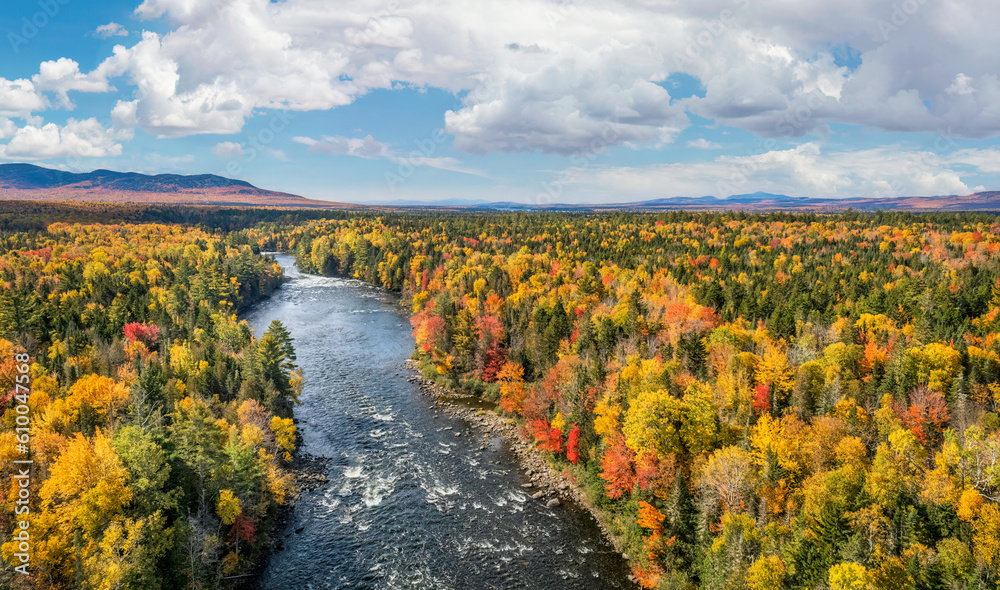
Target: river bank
x=545, y=484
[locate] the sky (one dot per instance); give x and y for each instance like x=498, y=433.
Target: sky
x=534, y=101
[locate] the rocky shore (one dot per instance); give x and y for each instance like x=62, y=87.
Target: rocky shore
x=544, y=483
x=309, y=474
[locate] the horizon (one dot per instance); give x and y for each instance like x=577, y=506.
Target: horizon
x=473, y=202
x=574, y=103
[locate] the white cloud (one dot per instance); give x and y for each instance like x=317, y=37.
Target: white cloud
x=19, y=98
x=986, y=161
x=537, y=75
x=7, y=128
x=703, y=144
x=805, y=171
x=227, y=149
x=123, y=119
x=111, y=30
x=559, y=92
x=962, y=85
x=63, y=75
x=76, y=139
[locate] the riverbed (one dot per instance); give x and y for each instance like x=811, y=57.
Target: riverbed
x=415, y=498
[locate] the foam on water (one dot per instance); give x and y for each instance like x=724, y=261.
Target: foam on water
x=378, y=490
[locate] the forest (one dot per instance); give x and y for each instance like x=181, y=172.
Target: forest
x=159, y=427
x=751, y=401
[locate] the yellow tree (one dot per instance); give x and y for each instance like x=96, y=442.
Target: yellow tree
x=284, y=435
x=849, y=576
x=778, y=443
x=774, y=369
x=128, y=551
x=228, y=507
x=86, y=492
x=767, y=573
x=652, y=423
x=986, y=538
x=699, y=429
x=935, y=364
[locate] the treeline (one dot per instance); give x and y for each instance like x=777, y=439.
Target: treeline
x=35, y=216
x=759, y=401
x=159, y=425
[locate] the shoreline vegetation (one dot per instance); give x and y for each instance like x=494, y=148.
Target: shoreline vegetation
x=548, y=485
x=160, y=426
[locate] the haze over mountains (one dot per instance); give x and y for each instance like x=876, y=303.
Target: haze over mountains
x=759, y=201
x=30, y=182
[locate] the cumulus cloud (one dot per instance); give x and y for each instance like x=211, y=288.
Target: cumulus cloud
x=123, y=118
x=526, y=83
x=7, y=128
x=76, y=139
x=806, y=171
x=111, y=29
x=534, y=75
x=63, y=75
x=962, y=85
x=19, y=98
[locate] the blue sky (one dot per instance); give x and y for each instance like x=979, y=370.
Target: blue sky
x=520, y=100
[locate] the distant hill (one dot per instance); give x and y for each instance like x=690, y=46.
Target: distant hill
x=754, y=202
x=34, y=183
x=26, y=182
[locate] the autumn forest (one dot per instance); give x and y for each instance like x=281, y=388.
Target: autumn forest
x=748, y=401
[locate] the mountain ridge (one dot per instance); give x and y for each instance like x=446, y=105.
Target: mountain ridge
x=21, y=181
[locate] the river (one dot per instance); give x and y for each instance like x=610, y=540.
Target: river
x=408, y=504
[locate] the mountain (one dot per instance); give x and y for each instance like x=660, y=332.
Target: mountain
x=753, y=202
x=29, y=182
x=34, y=183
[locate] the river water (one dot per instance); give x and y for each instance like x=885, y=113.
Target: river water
x=408, y=503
